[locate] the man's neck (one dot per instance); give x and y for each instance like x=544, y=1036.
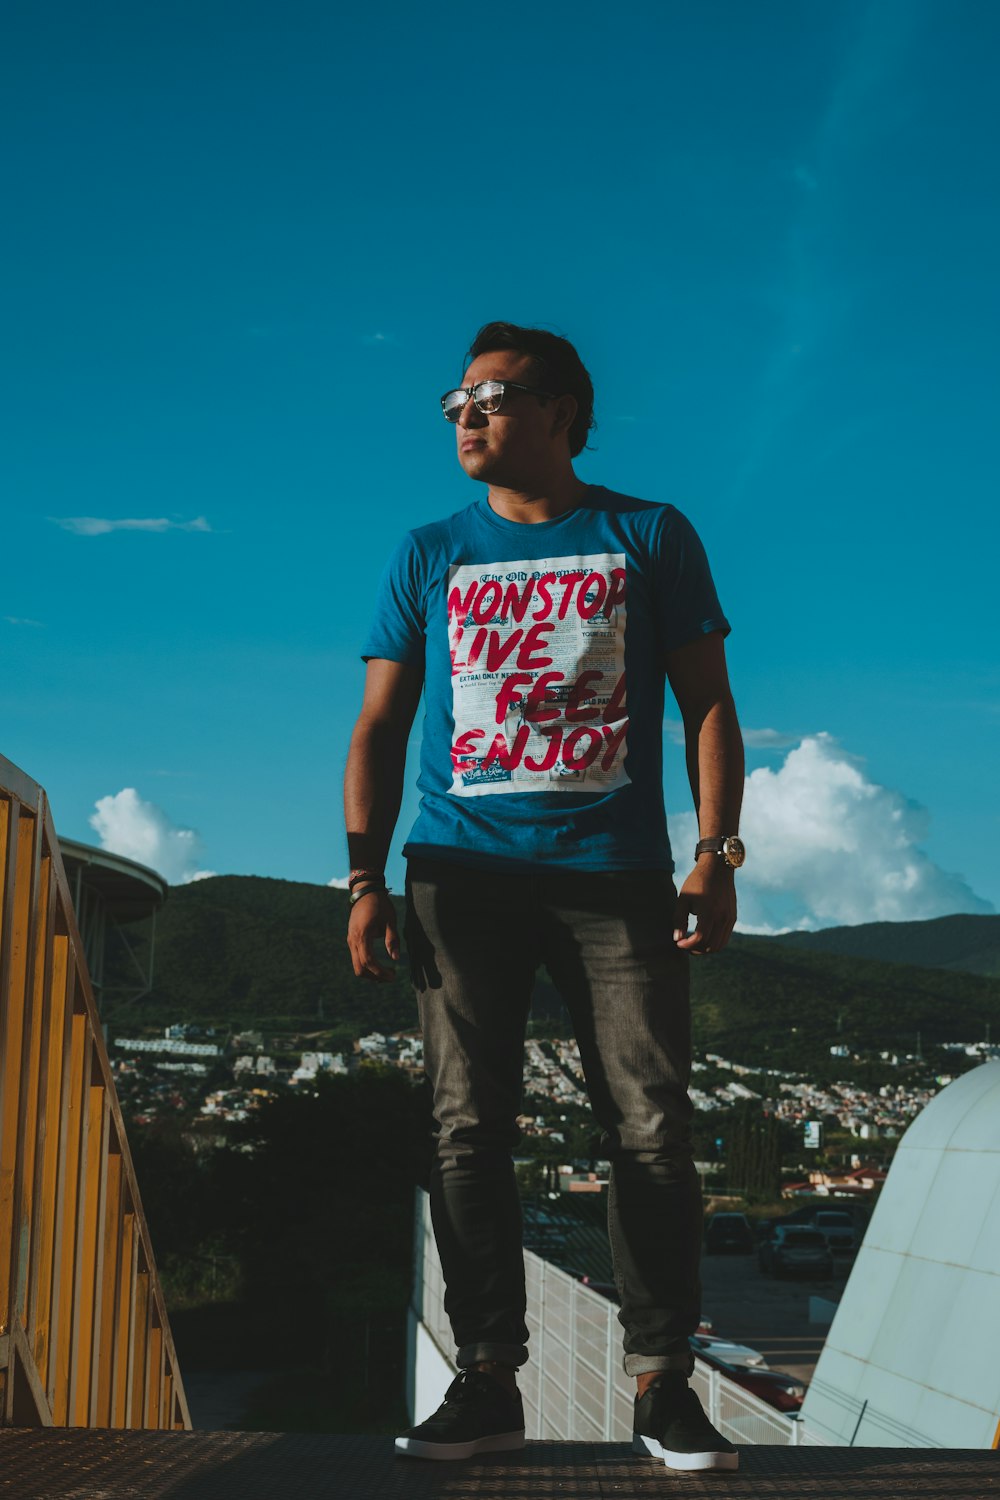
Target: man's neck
x=543, y=504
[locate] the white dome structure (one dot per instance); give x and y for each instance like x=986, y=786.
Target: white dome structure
x=912, y=1358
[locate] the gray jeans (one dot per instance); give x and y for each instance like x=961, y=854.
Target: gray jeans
x=475, y=939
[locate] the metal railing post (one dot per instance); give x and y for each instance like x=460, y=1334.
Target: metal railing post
x=571, y=1362
x=609, y=1372
x=540, y=1378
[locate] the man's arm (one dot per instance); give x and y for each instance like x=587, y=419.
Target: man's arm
x=373, y=790
x=697, y=674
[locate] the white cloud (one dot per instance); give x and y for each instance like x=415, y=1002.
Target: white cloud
x=378, y=340
x=139, y=830
x=99, y=526
x=769, y=739
x=754, y=739
x=828, y=847
x=18, y=620
x=339, y=882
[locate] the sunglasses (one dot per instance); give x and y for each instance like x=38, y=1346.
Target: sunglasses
x=487, y=396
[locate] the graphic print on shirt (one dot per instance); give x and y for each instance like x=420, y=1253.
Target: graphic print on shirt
x=538, y=675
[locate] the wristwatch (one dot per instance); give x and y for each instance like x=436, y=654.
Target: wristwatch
x=732, y=849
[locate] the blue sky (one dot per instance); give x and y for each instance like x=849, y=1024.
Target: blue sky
x=245, y=250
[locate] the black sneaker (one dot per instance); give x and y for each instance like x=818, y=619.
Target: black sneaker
x=670, y=1424
x=476, y=1416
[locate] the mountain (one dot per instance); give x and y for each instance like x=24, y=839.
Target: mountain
x=970, y=944
x=245, y=950
x=765, y=998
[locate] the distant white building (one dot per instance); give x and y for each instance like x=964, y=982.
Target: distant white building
x=225, y=1103
x=312, y=1063
x=165, y=1044
x=263, y=1065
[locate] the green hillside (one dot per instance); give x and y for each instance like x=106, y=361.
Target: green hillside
x=764, y=998
x=245, y=950
x=967, y=943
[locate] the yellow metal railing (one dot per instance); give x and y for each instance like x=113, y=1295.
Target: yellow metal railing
x=84, y=1336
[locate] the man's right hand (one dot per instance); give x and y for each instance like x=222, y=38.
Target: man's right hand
x=372, y=918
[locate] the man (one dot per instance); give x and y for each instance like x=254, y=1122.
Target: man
x=542, y=839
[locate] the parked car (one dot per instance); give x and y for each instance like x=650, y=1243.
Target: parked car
x=858, y=1213
x=837, y=1228
x=548, y=1243
x=546, y=1217
x=733, y=1354
x=773, y=1386
x=545, y=1229
x=795, y=1249
x=729, y=1232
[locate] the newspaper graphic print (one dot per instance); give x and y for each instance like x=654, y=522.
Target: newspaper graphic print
x=538, y=675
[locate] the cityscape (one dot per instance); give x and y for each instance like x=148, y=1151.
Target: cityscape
x=180, y=1073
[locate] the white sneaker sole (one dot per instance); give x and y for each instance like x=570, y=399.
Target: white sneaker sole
x=496, y=1442
x=650, y=1448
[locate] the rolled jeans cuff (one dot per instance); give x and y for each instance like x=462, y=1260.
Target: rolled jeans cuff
x=504, y=1354
x=645, y=1364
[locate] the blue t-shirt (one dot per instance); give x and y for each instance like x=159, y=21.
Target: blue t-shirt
x=531, y=753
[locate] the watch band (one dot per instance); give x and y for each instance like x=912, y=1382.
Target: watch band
x=708, y=846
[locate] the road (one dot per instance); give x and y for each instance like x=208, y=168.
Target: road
x=770, y=1314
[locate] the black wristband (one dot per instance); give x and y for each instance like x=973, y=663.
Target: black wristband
x=367, y=890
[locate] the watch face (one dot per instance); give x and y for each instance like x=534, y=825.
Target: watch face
x=734, y=852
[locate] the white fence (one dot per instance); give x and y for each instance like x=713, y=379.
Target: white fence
x=575, y=1386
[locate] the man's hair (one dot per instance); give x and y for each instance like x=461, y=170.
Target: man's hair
x=560, y=369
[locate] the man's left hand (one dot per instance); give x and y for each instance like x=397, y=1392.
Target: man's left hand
x=709, y=893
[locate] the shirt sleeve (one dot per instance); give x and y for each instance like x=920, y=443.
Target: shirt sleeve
x=687, y=605
x=397, y=630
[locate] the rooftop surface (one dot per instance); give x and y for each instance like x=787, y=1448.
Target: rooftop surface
x=130, y=890
x=85, y=1464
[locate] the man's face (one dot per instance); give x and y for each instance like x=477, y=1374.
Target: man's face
x=516, y=446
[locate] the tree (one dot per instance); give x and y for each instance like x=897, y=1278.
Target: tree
x=753, y=1160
